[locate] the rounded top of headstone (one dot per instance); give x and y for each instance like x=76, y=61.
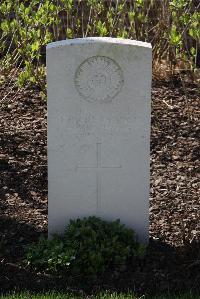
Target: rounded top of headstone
x=87, y=40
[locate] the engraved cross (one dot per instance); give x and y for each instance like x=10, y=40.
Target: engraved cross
x=98, y=168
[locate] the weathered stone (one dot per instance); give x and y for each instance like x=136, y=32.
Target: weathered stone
x=99, y=131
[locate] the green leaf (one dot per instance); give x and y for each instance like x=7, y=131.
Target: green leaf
x=193, y=51
x=5, y=26
x=35, y=46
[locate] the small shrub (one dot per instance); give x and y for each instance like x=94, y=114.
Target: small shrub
x=90, y=247
x=50, y=255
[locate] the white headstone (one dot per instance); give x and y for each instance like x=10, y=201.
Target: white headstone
x=99, y=131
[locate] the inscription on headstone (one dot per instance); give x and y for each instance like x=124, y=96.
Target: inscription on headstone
x=99, y=131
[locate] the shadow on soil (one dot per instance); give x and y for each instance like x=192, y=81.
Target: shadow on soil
x=18, y=170
x=23, y=172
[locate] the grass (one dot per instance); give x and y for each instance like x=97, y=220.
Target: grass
x=54, y=295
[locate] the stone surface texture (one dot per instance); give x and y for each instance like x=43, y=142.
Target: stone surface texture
x=99, y=131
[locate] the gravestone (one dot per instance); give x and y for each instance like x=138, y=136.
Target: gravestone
x=99, y=131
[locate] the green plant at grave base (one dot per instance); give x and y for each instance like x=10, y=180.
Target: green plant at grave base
x=26, y=26
x=107, y=295
x=89, y=248
x=51, y=255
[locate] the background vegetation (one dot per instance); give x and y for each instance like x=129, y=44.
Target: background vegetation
x=173, y=28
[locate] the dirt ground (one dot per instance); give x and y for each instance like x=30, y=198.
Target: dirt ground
x=173, y=259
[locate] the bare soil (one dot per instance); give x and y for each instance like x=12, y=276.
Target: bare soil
x=173, y=259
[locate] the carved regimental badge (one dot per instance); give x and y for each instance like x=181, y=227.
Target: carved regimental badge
x=98, y=78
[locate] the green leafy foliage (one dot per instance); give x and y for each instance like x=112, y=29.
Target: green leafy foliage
x=173, y=28
x=89, y=248
x=51, y=255
x=184, y=31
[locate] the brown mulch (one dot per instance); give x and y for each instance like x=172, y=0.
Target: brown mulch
x=173, y=260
